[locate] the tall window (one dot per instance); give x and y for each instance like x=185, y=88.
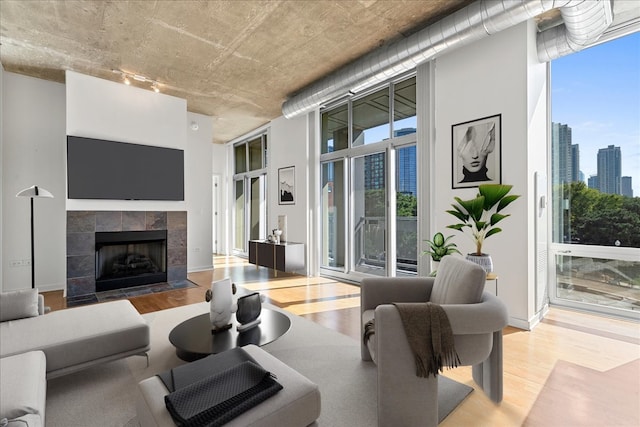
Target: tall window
x=595, y=170
x=250, y=188
x=369, y=199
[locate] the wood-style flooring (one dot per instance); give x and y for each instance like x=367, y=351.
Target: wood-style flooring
x=574, y=369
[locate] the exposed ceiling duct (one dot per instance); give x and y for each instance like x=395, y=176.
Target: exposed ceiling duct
x=584, y=22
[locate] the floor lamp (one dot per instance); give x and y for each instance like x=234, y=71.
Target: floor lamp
x=33, y=192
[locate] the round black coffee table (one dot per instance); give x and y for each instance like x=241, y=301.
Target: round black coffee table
x=193, y=338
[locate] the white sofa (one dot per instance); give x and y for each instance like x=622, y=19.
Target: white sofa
x=58, y=343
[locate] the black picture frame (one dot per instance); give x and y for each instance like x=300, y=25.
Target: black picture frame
x=475, y=158
x=287, y=185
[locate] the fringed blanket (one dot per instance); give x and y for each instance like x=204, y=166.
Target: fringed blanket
x=430, y=337
x=429, y=334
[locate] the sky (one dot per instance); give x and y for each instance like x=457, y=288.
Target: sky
x=597, y=93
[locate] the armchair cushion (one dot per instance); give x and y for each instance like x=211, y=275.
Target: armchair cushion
x=18, y=304
x=458, y=281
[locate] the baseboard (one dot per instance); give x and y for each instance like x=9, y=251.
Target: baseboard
x=197, y=269
x=52, y=287
x=532, y=322
x=520, y=323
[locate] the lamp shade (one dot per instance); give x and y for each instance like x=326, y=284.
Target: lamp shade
x=34, y=191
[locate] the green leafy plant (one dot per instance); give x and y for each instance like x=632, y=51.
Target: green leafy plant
x=440, y=247
x=481, y=214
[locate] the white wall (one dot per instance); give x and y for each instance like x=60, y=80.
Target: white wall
x=34, y=141
x=34, y=129
x=1, y=175
x=198, y=192
x=289, y=146
x=221, y=167
x=492, y=77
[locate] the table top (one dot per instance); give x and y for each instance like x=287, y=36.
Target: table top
x=193, y=338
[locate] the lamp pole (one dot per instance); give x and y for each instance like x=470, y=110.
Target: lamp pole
x=33, y=192
x=33, y=263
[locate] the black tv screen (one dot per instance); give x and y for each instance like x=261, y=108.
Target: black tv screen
x=100, y=169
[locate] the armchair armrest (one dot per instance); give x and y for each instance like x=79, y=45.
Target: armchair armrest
x=375, y=291
x=489, y=315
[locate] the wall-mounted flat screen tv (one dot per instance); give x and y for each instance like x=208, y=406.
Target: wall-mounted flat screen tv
x=100, y=169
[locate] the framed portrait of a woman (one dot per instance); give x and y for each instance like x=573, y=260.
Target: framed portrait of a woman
x=476, y=152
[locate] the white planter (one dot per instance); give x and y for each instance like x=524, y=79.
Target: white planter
x=483, y=261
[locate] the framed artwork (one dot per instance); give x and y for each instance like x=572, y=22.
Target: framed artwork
x=287, y=186
x=476, y=152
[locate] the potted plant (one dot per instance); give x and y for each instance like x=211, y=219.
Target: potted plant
x=439, y=247
x=480, y=216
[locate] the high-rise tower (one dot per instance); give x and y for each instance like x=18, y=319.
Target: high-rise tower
x=626, y=186
x=561, y=154
x=610, y=170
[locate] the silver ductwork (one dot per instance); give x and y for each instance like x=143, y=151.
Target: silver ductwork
x=583, y=25
x=589, y=18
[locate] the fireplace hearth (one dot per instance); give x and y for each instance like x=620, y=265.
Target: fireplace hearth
x=130, y=258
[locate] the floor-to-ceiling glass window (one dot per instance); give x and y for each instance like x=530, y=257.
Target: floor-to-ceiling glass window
x=333, y=216
x=405, y=123
x=250, y=191
x=239, y=240
x=368, y=204
x=406, y=211
x=595, y=178
x=368, y=171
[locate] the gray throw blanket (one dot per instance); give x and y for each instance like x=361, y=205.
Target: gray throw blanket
x=429, y=334
x=430, y=337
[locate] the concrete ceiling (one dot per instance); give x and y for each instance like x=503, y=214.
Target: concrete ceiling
x=236, y=61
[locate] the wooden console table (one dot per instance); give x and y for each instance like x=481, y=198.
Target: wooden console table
x=286, y=256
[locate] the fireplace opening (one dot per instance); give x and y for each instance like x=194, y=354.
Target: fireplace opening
x=130, y=258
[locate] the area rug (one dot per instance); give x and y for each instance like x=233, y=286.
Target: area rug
x=105, y=395
x=577, y=396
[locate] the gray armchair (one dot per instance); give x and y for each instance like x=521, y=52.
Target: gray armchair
x=476, y=317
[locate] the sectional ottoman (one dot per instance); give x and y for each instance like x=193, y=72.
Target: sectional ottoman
x=296, y=405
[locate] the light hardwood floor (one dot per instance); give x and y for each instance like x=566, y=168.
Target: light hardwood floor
x=573, y=369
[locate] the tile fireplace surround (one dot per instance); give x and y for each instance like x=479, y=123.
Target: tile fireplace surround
x=81, y=244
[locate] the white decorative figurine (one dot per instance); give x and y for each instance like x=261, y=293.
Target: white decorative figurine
x=276, y=235
x=221, y=304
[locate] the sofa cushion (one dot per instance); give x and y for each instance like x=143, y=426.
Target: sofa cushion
x=78, y=337
x=458, y=282
x=18, y=304
x=23, y=387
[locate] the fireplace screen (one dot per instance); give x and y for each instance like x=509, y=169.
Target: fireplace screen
x=125, y=259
